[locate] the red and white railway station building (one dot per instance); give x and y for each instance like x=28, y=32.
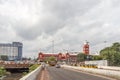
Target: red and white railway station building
x=58, y=56
x=71, y=57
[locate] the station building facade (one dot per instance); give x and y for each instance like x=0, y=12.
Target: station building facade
x=67, y=57
x=12, y=51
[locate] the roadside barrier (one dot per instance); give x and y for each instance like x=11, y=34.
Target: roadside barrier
x=89, y=66
x=109, y=73
x=32, y=75
x=110, y=68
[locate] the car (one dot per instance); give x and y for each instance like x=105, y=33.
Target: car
x=43, y=65
x=57, y=65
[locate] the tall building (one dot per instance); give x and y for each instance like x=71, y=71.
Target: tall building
x=13, y=51
x=86, y=48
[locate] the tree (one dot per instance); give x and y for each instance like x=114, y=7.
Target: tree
x=2, y=71
x=112, y=54
x=51, y=58
x=52, y=61
x=4, y=57
x=96, y=57
x=81, y=57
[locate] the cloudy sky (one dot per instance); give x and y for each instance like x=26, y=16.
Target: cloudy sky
x=36, y=23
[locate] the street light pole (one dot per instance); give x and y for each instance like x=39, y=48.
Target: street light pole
x=53, y=46
x=108, y=57
x=107, y=53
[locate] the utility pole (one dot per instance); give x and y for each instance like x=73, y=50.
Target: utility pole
x=108, y=57
x=53, y=46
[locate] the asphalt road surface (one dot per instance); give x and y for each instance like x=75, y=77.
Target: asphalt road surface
x=66, y=74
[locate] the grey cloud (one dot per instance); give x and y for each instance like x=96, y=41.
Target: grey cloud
x=59, y=13
x=69, y=22
x=115, y=3
x=66, y=9
x=49, y=27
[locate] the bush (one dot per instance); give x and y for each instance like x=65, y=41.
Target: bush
x=24, y=73
x=2, y=71
x=33, y=67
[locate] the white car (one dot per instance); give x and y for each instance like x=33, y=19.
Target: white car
x=57, y=65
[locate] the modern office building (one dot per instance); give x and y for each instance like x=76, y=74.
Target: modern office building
x=13, y=51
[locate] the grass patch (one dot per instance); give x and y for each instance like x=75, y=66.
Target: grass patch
x=31, y=68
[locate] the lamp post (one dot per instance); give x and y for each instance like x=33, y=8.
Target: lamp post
x=108, y=55
x=53, y=46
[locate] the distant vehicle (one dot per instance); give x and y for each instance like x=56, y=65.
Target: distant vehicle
x=57, y=65
x=43, y=65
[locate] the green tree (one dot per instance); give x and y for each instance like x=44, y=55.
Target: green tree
x=2, y=71
x=52, y=61
x=81, y=57
x=4, y=57
x=112, y=54
x=96, y=57
x=51, y=58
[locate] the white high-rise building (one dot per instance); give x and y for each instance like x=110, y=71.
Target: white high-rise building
x=13, y=51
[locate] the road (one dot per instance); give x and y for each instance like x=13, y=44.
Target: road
x=66, y=74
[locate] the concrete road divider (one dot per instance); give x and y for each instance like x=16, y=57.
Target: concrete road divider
x=32, y=75
x=109, y=68
x=88, y=66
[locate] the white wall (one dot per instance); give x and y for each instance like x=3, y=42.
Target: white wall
x=98, y=62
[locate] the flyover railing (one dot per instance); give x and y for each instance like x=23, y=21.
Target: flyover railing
x=32, y=75
x=110, y=73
